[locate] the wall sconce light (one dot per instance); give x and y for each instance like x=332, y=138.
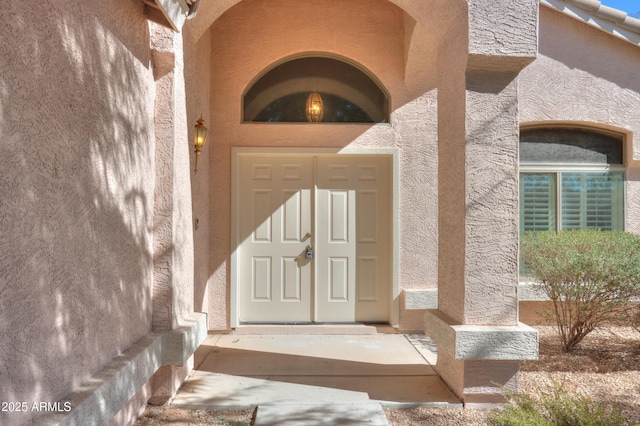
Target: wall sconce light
x=315, y=107
x=199, y=139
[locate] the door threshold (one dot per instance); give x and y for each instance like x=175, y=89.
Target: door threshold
x=314, y=329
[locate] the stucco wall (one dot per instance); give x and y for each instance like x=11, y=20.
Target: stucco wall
x=197, y=58
x=477, y=132
x=491, y=204
x=76, y=183
x=586, y=76
x=248, y=38
x=173, y=232
x=451, y=134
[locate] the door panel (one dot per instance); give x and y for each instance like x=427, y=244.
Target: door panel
x=337, y=204
x=274, y=217
x=352, y=197
x=261, y=279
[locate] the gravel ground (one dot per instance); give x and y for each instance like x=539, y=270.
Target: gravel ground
x=605, y=367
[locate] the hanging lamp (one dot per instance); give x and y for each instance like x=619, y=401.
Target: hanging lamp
x=315, y=107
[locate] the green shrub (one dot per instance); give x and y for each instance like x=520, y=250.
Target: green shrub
x=589, y=276
x=555, y=408
x=522, y=410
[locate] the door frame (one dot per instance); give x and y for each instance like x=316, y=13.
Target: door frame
x=392, y=153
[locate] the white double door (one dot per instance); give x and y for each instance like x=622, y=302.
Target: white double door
x=314, y=239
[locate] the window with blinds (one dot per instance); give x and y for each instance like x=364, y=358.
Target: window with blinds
x=592, y=200
x=588, y=200
x=570, y=179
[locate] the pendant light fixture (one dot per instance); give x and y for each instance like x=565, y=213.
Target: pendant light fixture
x=315, y=107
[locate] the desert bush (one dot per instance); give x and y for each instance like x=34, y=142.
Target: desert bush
x=589, y=276
x=632, y=313
x=555, y=407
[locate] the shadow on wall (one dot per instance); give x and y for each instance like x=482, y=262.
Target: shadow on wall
x=492, y=203
x=76, y=183
x=605, y=56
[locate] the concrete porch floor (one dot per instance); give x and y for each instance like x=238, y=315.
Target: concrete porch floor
x=315, y=374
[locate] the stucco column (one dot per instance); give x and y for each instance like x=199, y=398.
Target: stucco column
x=173, y=255
x=476, y=325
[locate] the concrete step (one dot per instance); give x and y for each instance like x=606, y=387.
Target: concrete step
x=325, y=370
x=319, y=415
x=211, y=390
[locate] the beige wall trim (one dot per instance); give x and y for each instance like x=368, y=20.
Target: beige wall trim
x=530, y=292
x=428, y=298
x=421, y=299
x=481, y=342
x=109, y=390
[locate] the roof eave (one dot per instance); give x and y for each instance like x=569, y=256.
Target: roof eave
x=169, y=13
x=595, y=14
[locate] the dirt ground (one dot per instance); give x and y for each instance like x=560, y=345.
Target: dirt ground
x=605, y=367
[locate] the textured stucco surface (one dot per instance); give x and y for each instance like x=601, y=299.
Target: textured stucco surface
x=475, y=361
x=76, y=183
x=491, y=234
x=451, y=174
x=482, y=342
x=197, y=59
x=494, y=33
x=173, y=235
x=478, y=127
x=478, y=203
x=586, y=77
x=116, y=394
x=164, y=65
x=247, y=39
x=421, y=299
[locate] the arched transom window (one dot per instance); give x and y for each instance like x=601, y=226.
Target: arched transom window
x=315, y=89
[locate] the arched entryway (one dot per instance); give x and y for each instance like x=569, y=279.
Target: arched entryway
x=247, y=43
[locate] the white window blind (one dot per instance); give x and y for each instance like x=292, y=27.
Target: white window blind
x=592, y=200
x=589, y=200
x=586, y=199
x=537, y=202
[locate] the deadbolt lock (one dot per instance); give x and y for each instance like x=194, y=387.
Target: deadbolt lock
x=308, y=254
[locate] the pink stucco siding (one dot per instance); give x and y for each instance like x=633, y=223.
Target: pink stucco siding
x=76, y=114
